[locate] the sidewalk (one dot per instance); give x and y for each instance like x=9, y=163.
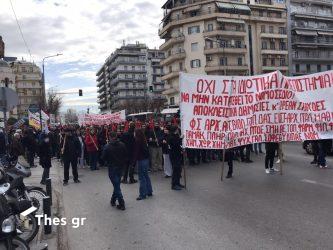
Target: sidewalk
x=52, y=240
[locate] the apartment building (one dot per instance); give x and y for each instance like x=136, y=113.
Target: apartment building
x=29, y=85
x=222, y=38
x=130, y=78
x=311, y=33
x=7, y=79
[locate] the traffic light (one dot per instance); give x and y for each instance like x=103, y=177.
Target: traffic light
x=80, y=92
x=151, y=89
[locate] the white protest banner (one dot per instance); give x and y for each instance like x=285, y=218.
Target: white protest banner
x=106, y=119
x=219, y=112
x=34, y=119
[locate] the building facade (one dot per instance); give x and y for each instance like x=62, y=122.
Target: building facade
x=29, y=85
x=130, y=79
x=7, y=79
x=244, y=37
x=311, y=33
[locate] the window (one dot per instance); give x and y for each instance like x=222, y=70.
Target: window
x=125, y=67
x=193, y=29
x=238, y=27
x=308, y=68
x=271, y=29
x=279, y=15
x=143, y=67
x=133, y=76
x=33, y=92
x=272, y=61
x=133, y=67
x=195, y=63
x=180, y=66
x=282, y=30
x=223, y=61
x=269, y=14
x=238, y=44
x=261, y=13
x=240, y=61
x=272, y=45
x=329, y=67
x=134, y=85
x=264, y=44
x=264, y=63
x=209, y=58
x=170, y=69
x=209, y=9
x=24, y=69
x=282, y=61
x=24, y=77
x=283, y=46
x=297, y=68
x=31, y=69
x=194, y=46
x=172, y=101
x=210, y=27
x=318, y=68
x=263, y=28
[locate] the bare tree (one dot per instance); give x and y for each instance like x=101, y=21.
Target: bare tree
x=71, y=116
x=53, y=103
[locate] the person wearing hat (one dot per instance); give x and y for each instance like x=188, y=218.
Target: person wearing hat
x=71, y=151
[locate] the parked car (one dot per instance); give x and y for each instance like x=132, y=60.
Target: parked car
x=307, y=146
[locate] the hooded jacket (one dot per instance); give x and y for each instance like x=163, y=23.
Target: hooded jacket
x=115, y=155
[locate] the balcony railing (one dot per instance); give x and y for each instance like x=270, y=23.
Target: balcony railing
x=313, y=40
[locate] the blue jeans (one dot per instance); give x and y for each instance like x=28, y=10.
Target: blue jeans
x=145, y=183
x=93, y=158
x=321, y=154
x=115, y=177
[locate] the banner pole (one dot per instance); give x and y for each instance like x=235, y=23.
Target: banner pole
x=281, y=158
x=222, y=170
x=184, y=169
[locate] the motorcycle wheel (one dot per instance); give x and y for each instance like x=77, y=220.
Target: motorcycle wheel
x=37, y=196
x=20, y=244
x=28, y=226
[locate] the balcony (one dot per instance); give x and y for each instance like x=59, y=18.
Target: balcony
x=227, y=49
x=179, y=38
x=101, y=89
x=177, y=55
x=170, y=75
x=312, y=41
x=312, y=57
x=225, y=68
x=311, y=13
x=274, y=68
x=274, y=51
x=225, y=32
x=273, y=35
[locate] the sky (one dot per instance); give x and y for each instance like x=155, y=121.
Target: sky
x=86, y=32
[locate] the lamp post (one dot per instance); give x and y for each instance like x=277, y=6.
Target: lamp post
x=42, y=101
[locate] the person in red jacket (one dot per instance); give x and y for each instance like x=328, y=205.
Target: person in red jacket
x=92, y=148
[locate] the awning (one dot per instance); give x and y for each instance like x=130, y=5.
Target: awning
x=223, y=20
x=306, y=33
x=242, y=7
x=227, y=6
x=325, y=33
x=139, y=114
x=170, y=111
x=192, y=8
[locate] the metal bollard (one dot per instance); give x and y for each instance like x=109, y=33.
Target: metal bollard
x=49, y=189
x=47, y=214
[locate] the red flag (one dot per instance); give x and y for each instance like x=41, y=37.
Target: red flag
x=114, y=127
x=138, y=124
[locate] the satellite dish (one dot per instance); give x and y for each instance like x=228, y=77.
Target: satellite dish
x=8, y=99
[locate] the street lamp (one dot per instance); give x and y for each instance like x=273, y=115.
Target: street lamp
x=42, y=101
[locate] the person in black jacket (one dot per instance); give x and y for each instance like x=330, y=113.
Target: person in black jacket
x=115, y=157
x=2, y=143
x=129, y=140
x=45, y=155
x=30, y=145
x=71, y=151
x=175, y=153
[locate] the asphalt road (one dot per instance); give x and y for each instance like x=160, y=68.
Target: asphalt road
x=252, y=211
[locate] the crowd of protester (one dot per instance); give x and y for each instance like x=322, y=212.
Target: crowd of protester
x=129, y=148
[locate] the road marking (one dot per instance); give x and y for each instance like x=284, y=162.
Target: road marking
x=317, y=183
